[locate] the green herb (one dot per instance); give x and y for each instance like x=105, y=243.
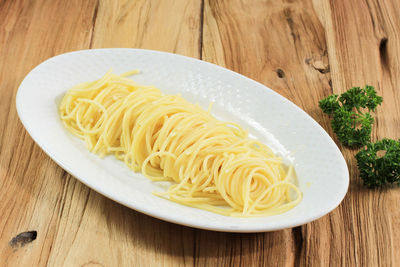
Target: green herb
x=350, y=120
x=379, y=163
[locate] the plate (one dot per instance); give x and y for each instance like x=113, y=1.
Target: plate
x=321, y=170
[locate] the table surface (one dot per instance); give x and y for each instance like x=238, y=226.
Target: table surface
x=304, y=50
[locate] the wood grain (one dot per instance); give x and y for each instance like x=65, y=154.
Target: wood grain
x=304, y=50
x=171, y=26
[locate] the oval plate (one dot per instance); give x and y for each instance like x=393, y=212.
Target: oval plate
x=322, y=172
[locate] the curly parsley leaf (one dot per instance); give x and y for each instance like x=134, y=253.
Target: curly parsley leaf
x=352, y=129
x=379, y=163
x=329, y=104
x=358, y=98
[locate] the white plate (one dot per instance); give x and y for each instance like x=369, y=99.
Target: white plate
x=322, y=172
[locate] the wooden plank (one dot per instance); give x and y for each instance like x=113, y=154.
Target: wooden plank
x=122, y=235
x=75, y=225
x=31, y=184
x=282, y=45
x=363, y=48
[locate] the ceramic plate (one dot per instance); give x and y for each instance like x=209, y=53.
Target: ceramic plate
x=321, y=170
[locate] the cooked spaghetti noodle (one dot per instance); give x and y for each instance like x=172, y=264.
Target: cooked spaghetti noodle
x=213, y=165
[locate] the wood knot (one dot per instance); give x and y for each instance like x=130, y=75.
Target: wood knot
x=383, y=52
x=280, y=73
x=320, y=66
x=22, y=239
x=319, y=62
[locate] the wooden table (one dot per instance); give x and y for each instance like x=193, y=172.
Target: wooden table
x=304, y=50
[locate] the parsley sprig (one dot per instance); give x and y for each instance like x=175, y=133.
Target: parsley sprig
x=351, y=117
x=379, y=163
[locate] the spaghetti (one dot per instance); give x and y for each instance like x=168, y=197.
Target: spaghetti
x=213, y=165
